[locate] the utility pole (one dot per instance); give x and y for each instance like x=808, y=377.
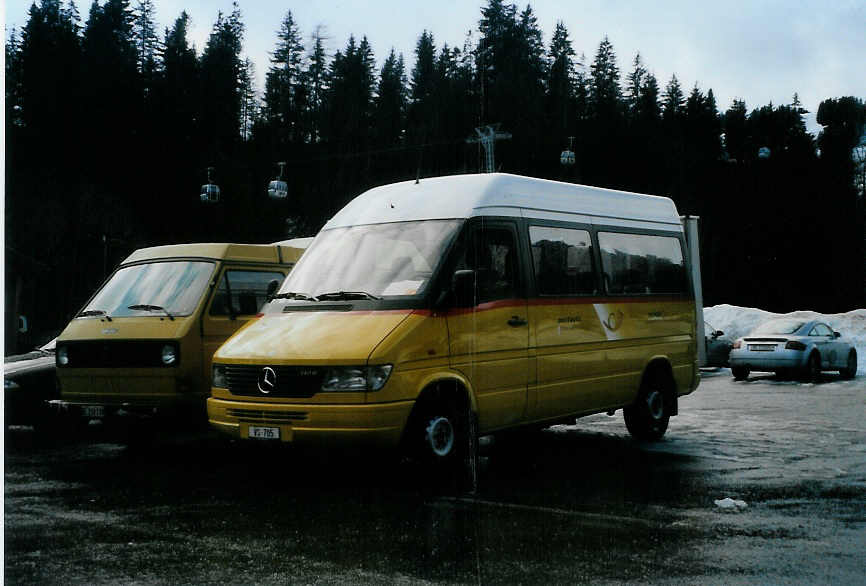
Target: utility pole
x=487, y=136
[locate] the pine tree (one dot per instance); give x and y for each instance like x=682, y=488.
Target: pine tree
x=604, y=89
x=316, y=79
x=391, y=101
x=673, y=100
x=285, y=92
x=221, y=68
x=636, y=81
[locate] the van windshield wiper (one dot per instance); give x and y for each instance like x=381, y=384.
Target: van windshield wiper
x=147, y=307
x=294, y=295
x=89, y=312
x=347, y=295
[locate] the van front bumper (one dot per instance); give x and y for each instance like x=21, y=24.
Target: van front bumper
x=379, y=424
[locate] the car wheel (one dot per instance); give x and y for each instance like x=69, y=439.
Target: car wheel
x=647, y=419
x=812, y=371
x=740, y=372
x=850, y=370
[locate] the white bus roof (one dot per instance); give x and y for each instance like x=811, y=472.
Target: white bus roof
x=501, y=194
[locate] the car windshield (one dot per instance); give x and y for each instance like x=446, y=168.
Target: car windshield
x=779, y=326
x=371, y=261
x=175, y=286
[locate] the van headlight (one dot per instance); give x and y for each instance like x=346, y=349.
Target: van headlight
x=62, y=356
x=218, y=378
x=169, y=355
x=355, y=378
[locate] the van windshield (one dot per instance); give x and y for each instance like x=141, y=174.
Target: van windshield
x=382, y=260
x=175, y=286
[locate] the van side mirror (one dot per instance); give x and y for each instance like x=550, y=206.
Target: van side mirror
x=837, y=335
x=463, y=287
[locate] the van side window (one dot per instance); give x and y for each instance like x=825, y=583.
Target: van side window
x=244, y=292
x=642, y=264
x=492, y=254
x=562, y=260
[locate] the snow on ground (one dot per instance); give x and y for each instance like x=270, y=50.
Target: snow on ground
x=737, y=322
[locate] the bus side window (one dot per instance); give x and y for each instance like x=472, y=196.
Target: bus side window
x=492, y=254
x=635, y=264
x=562, y=259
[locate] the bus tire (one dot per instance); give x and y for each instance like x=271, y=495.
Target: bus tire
x=647, y=418
x=443, y=440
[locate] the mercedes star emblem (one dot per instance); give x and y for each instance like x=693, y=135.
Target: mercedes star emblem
x=267, y=380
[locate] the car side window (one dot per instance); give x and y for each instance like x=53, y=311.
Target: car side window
x=821, y=330
x=244, y=292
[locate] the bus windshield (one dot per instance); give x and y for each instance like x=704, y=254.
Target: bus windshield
x=377, y=260
x=175, y=287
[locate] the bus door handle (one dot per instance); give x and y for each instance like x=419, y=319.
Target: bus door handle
x=516, y=321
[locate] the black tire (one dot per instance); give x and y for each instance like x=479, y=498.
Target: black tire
x=850, y=371
x=647, y=419
x=740, y=372
x=812, y=370
x=443, y=439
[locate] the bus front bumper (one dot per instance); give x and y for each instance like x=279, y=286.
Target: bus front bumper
x=378, y=424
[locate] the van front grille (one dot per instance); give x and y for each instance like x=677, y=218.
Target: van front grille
x=272, y=417
x=285, y=381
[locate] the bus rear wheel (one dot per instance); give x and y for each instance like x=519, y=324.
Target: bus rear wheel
x=647, y=419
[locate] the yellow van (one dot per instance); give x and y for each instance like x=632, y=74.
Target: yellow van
x=428, y=312
x=142, y=345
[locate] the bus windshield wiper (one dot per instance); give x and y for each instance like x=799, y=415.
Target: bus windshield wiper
x=347, y=295
x=294, y=295
x=89, y=312
x=147, y=307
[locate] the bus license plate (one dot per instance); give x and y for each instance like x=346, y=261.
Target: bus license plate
x=256, y=432
x=93, y=411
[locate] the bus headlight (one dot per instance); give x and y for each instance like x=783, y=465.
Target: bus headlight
x=356, y=379
x=169, y=355
x=218, y=378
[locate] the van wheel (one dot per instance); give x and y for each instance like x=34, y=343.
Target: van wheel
x=850, y=371
x=740, y=372
x=444, y=442
x=647, y=419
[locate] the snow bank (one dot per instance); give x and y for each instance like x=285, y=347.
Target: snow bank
x=737, y=322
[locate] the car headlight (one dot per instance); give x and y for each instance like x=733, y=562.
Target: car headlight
x=8, y=385
x=355, y=378
x=62, y=356
x=218, y=378
x=737, y=345
x=169, y=354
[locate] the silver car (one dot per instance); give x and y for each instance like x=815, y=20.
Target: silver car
x=793, y=346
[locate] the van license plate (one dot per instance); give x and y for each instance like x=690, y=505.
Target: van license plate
x=256, y=432
x=93, y=411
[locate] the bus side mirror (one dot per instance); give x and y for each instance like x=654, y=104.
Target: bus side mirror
x=463, y=287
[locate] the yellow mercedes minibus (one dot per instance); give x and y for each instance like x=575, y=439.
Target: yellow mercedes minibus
x=428, y=312
x=142, y=345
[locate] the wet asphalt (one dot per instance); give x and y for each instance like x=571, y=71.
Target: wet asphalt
x=582, y=503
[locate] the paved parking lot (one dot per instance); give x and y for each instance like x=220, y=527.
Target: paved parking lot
x=580, y=503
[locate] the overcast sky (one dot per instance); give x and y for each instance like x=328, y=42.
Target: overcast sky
x=760, y=51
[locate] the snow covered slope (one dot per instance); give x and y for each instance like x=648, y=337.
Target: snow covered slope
x=739, y=321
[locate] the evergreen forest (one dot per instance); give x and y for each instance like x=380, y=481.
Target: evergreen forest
x=112, y=124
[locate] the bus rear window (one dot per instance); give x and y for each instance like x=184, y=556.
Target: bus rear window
x=641, y=264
